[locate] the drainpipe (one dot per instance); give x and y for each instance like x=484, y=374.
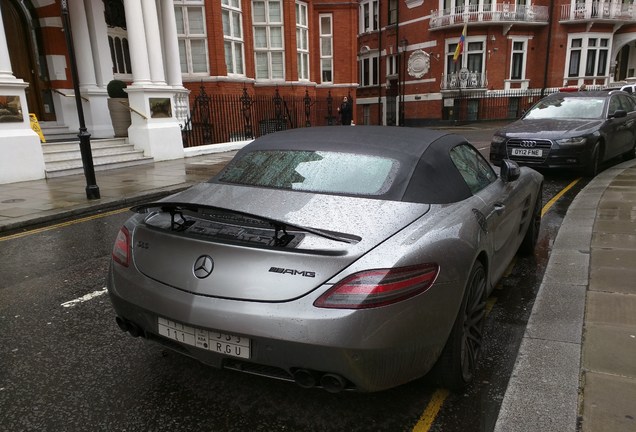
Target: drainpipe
x=547, y=60
x=380, y=64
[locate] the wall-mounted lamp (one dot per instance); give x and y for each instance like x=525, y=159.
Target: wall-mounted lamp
x=403, y=44
x=492, y=38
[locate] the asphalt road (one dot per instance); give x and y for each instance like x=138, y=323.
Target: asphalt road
x=66, y=366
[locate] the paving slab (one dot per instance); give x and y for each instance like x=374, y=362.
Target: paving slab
x=608, y=279
x=610, y=349
x=611, y=308
x=608, y=403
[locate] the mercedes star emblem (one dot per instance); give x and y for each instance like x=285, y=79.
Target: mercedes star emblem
x=203, y=266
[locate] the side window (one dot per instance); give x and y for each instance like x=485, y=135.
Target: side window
x=614, y=104
x=472, y=166
x=627, y=103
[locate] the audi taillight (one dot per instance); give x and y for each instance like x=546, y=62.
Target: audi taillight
x=379, y=287
x=121, y=250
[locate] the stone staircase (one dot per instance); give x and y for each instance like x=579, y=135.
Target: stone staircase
x=62, y=155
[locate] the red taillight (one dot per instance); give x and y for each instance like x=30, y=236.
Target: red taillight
x=381, y=287
x=121, y=250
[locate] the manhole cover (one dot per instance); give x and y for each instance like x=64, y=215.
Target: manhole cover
x=13, y=200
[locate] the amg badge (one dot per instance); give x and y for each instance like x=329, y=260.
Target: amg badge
x=292, y=272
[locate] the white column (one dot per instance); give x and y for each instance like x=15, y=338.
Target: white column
x=99, y=62
x=153, y=40
x=5, y=62
x=82, y=44
x=137, y=42
x=22, y=157
x=99, y=42
x=171, y=44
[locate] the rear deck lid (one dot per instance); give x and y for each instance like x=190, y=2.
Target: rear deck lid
x=274, y=246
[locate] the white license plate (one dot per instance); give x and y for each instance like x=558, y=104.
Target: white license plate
x=222, y=343
x=527, y=152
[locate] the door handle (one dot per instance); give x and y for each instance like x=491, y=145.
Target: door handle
x=498, y=208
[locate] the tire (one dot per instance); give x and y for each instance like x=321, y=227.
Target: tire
x=529, y=242
x=457, y=364
x=592, y=168
x=631, y=154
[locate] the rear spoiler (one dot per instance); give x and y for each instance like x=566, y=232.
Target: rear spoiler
x=176, y=209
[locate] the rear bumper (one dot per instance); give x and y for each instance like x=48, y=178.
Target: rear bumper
x=372, y=349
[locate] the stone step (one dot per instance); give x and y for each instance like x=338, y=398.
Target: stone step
x=58, y=146
x=100, y=163
x=62, y=155
x=53, y=132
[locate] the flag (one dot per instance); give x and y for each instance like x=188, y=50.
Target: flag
x=460, y=45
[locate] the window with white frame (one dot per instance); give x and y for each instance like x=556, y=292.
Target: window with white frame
x=518, y=60
x=233, y=36
x=588, y=55
x=191, y=32
x=369, y=16
x=119, y=53
x=471, y=58
x=368, y=66
x=392, y=64
x=302, y=41
x=475, y=56
x=326, y=48
x=393, y=12
x=268, y=39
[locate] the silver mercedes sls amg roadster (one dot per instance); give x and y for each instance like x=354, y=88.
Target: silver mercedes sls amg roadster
x=355, y=258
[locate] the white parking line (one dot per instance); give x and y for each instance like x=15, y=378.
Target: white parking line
x=85, y=298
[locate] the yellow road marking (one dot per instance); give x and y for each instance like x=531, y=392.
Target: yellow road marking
x=63, y=224
x=430, y=413
x=554, y=199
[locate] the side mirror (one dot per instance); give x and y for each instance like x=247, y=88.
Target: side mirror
x=619, y=113
x=510, y=171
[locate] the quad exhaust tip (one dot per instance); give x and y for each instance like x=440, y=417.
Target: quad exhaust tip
x=129, y=327
x=332, y=383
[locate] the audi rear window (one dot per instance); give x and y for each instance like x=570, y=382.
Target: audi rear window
x=314, y=171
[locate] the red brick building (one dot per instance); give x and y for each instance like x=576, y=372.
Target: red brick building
x=510, y=49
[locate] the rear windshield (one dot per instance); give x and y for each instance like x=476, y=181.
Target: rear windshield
x=314, y=171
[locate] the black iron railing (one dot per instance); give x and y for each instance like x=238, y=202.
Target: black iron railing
x=223, y=118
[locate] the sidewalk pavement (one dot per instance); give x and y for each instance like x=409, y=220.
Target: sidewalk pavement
x=576, y=366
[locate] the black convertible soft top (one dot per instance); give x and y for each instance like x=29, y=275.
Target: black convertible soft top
x=426, y=175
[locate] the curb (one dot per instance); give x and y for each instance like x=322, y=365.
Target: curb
x=545, y=386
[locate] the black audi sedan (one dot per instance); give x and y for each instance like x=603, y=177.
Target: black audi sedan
x=578, y=130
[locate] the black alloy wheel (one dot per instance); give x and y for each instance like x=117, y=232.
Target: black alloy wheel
x=458, y=362
x=529, y=242
x=592, y=168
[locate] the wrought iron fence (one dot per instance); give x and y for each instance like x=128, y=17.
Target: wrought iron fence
x=227, y=118
x=499, y=105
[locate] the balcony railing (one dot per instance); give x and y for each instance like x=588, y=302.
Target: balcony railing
x=488, y=14
x=464, y=80
x=600, y=11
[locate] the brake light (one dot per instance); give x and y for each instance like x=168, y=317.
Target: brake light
x=380, y=287
x=121, y=250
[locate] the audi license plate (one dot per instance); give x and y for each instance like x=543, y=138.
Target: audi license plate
x=211, y=340
x=527, y=152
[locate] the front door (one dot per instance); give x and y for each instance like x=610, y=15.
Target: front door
x=25, y=62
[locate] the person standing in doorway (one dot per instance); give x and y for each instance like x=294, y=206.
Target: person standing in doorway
x=345, y=112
